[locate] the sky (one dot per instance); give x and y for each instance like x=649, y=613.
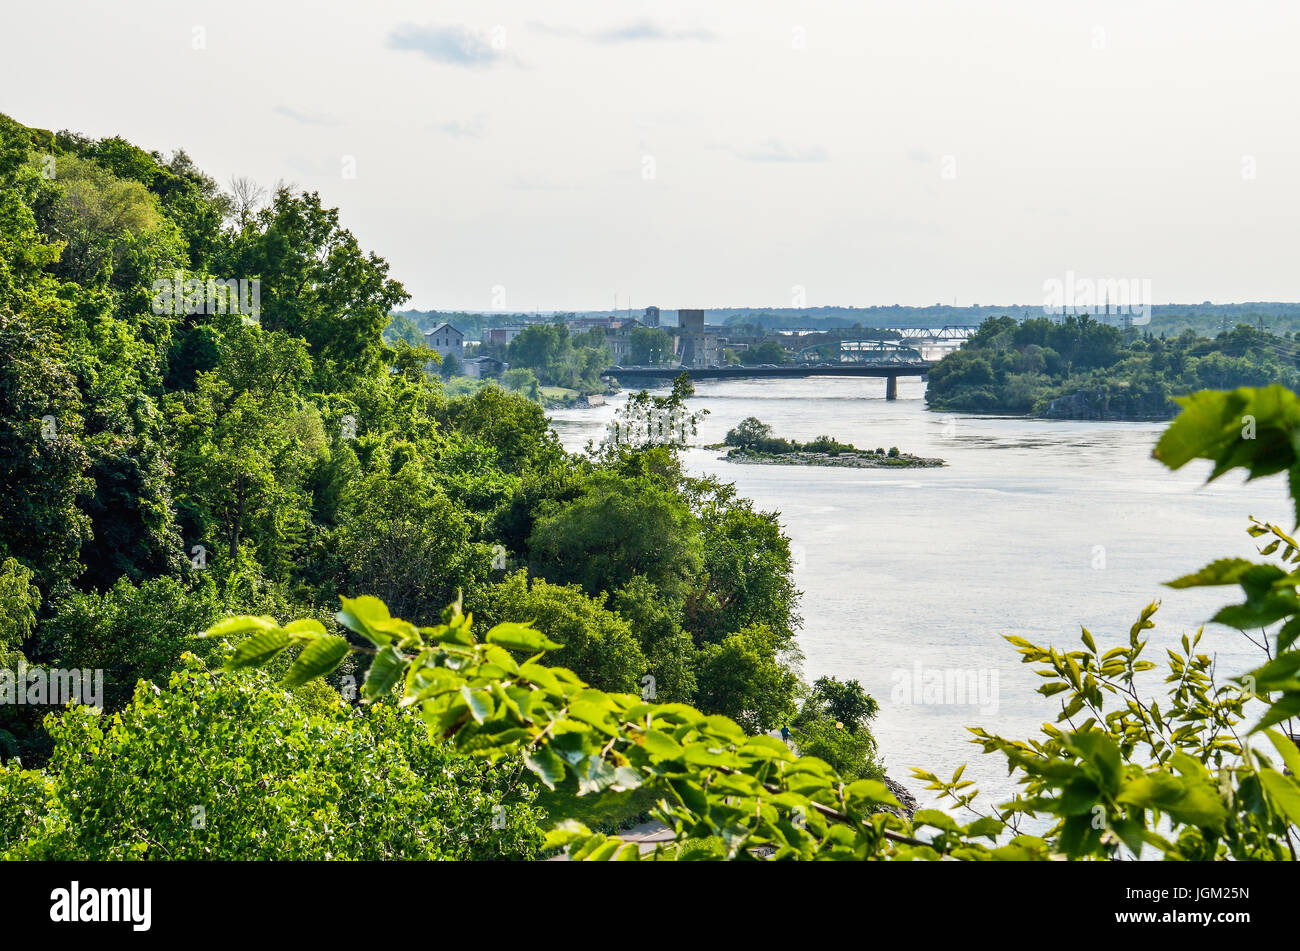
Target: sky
x=586, y=155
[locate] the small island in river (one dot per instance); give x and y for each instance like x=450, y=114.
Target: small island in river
x=752, y=441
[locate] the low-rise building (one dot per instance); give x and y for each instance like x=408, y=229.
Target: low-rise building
x=446, y=339
x=484, y=368
x=501, y=335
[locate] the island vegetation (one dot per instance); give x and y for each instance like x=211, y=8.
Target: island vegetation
x=1081, y=368
x=752, y=441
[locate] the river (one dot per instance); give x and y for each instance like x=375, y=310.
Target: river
x=1034, y=528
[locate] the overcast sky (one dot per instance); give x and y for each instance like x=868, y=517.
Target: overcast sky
x=564, y=155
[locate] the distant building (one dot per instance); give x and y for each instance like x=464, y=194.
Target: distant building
x=501, y=335
x=690, y=321
x=651, y=318
x=620, y=345
x=446, y=339
x=483, y=368
x=695, y=346
x=699, y=350
x=588, y=323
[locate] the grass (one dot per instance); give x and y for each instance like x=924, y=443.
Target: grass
x=559, y=392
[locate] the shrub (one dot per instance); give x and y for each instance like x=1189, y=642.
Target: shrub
x=227, y=766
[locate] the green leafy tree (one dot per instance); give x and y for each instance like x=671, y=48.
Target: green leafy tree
x=746, y=575
x=769, y=351
x=516, y=426
x=743, y=677
x=598, y=644
x=832, y=725
x=130, y=632
x=614, y=529
x=649, y=346
x=401, y=535
x=219, y=766
x=316, y=282
x=19, y=602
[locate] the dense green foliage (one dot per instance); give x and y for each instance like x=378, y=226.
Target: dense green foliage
x=769, y=351
x=1121, y=774
x=559, y=358
x=169, y=457
x=216, y=767
x=1081, y=368
x=165, y=468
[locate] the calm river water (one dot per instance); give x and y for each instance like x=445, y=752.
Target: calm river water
x=1033, y=528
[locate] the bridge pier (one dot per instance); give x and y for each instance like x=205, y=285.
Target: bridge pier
x=891, y=386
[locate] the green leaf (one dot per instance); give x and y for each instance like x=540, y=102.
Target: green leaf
x=1223, y=571
x=661, y=746
x=480, y=703
x=1286, y=748
x=1284, y=791
x=258, y=649
x=548, y=767
x=367, y=616
x=244, y=624
x=385, y=670
x=1283, y=709
x=871, y=791
x=305, y=628
x=520, y=637
x=317, y=659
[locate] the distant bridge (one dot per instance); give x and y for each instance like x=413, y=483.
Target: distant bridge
x=890, y=369
x=858, y=345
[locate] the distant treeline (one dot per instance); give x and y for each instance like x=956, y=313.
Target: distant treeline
x=1204, y=318
x=1084, y=369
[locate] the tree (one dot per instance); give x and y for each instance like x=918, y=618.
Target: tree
x=316, y=282
x=645, y=421
x=845, y=703
x=401, y=535
x=516, y=426
x=742, y=677
x=43, y=462
x=747, y=571
x=832, y=725
x=649, y=346
x=617, y=528
x=671, y=656
x=598, y=644
x=245, y=198
x=220, y=766
x=130, y=632
x=538, y=346
x=452, y=366
x=769, y=351
x=19, y=602
x=749, y=433
x=240, y=468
